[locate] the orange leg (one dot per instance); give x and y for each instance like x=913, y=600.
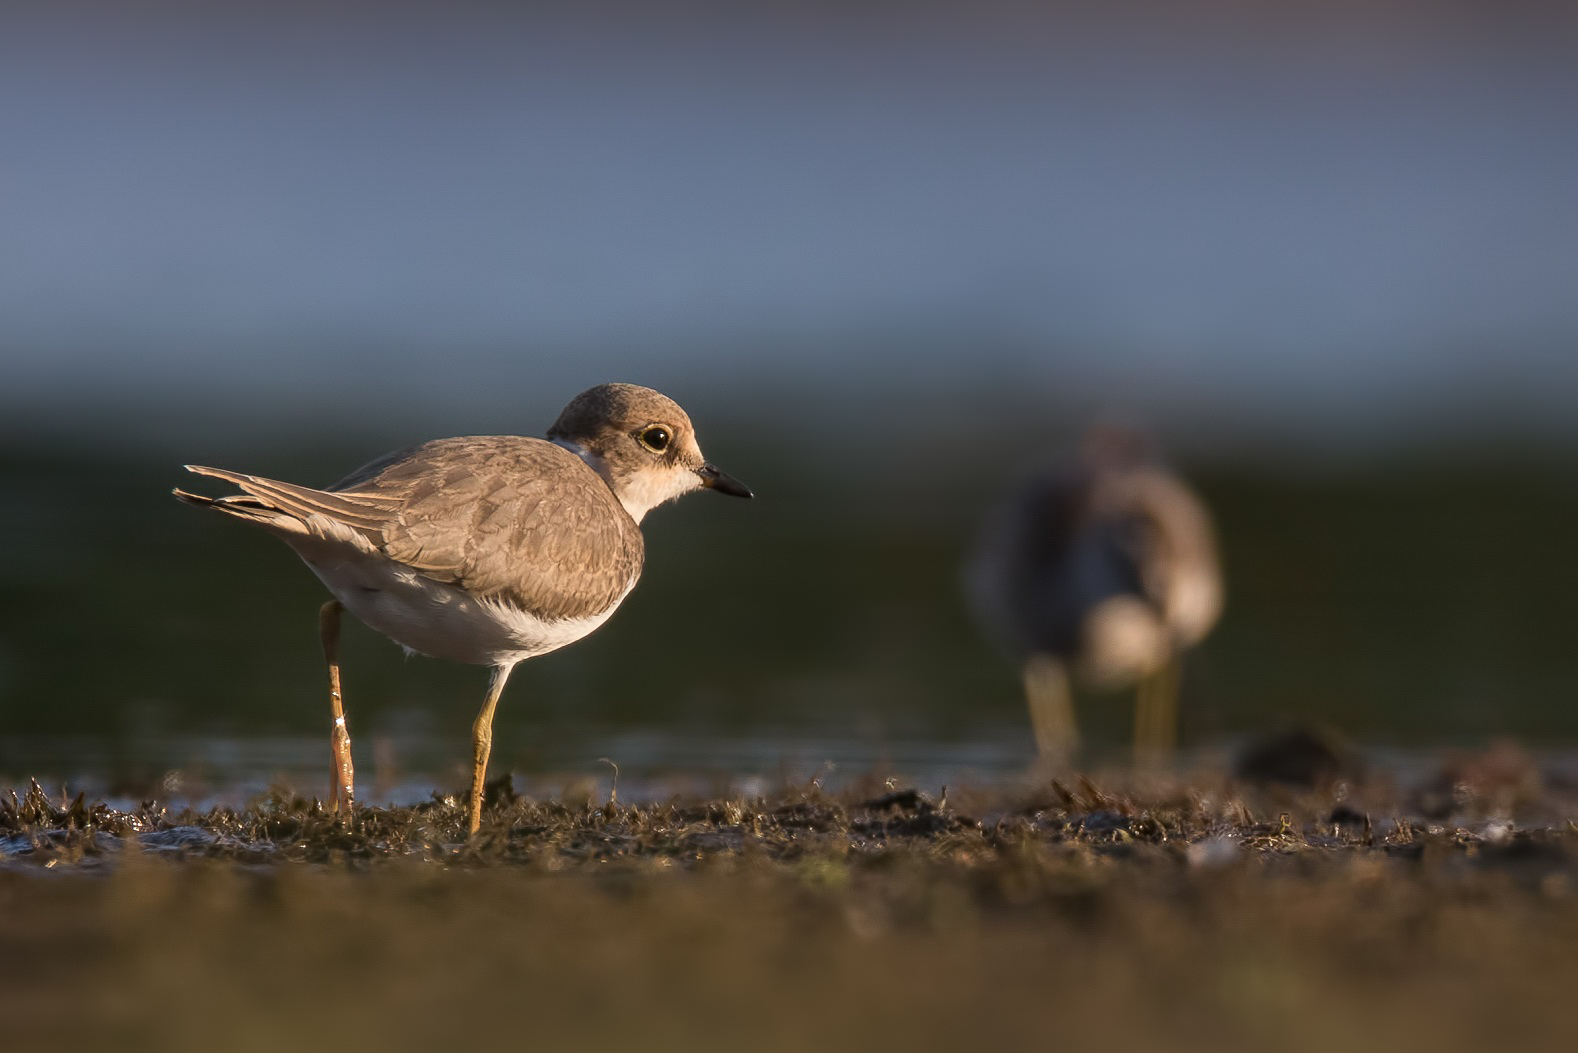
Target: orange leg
x=341, y=793
x=482, y=745
x=1156, y=716
x=1051, y=699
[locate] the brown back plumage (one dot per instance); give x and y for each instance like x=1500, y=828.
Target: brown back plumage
x=509, y=518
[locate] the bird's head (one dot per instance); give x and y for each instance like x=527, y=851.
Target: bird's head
x=642, y=443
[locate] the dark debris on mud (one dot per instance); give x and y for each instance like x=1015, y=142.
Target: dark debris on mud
x=1201, y=823
x=1200, y=912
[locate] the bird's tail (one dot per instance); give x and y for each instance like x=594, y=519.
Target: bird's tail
x=248, y=506
x=289, y=508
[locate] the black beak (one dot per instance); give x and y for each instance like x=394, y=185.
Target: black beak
x=722, y=482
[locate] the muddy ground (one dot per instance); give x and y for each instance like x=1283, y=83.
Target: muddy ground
x=1125, y=912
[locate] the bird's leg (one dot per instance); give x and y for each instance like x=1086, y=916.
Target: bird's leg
x=1142, y=722
x=1051, y=709
x=1156, y=715
x=1171, y=684
x=482, y=745
x=341, y=793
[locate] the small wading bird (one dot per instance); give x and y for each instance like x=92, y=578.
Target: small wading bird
x=489, y=549
x=1104, y=571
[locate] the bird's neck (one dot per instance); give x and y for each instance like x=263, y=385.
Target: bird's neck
x=636, y=498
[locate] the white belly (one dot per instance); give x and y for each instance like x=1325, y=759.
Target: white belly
x=435, y=619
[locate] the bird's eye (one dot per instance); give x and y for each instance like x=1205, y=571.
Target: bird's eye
x=655, y=438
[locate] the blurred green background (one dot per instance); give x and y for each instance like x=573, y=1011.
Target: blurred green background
x=1419, y=599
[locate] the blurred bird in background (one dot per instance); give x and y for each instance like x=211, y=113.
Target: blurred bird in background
x=1102, y=571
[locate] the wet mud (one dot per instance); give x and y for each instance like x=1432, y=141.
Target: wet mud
x=1199, y=912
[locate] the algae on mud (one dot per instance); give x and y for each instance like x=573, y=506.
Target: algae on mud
x=1199, y=915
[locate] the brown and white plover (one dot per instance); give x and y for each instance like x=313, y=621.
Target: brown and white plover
x=1105, y=570
x=488, y=549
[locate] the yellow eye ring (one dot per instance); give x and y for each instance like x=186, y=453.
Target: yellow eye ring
x=655, y=437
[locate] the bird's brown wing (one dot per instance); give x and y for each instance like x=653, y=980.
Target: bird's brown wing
x=515, y=519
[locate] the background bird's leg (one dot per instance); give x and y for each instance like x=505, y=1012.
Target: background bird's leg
x=1156, y=715
x=342, y=791
x=482, y=745
x=1051, y=709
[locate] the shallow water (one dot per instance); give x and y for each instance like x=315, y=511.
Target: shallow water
x=652, y=765
x=205, y=771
